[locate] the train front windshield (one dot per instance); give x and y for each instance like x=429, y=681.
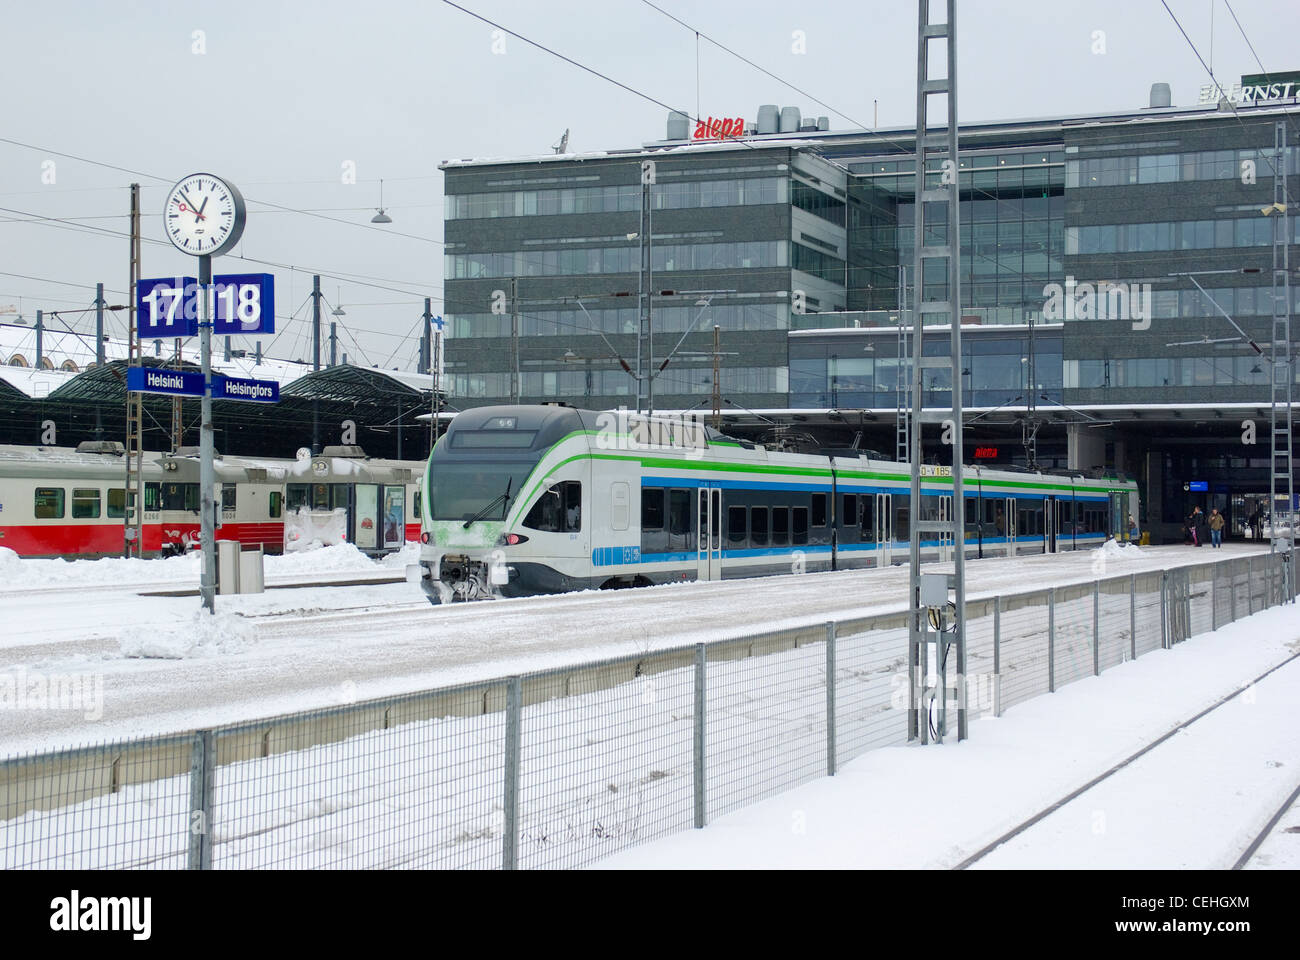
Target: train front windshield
x=461, y=489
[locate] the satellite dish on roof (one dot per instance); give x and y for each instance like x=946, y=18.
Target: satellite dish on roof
x=303, y=454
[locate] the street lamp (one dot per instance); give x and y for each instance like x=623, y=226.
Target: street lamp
x=380, y=216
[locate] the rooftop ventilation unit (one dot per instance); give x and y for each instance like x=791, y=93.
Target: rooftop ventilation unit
x=768, y=120
x=111, y=447
x=1161, y=95
x=789, y=119
x=679, y=125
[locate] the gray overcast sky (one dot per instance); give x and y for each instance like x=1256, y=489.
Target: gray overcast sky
x=286, y=92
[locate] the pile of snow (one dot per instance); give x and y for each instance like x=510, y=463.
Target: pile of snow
x=16, y=571
x=202, y=635
x=306, y=529
x=340, y=558
x=1116, y=550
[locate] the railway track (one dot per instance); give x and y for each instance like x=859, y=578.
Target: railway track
x=1025, y=825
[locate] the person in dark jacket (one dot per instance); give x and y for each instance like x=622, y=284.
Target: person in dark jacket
x=1193, y=521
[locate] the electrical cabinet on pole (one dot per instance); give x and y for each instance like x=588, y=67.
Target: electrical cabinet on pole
x=937, y=622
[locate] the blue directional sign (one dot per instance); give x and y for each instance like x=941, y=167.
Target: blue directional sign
x=167, y=307
x=238, y=388
x=245, y=303
x=183, y=383
x=1199, y=486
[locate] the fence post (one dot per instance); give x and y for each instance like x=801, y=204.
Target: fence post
x=1051, y=639
x=997, y=656
x=202, y=762
x=1232, y=594
x=1164, y=610
x=701, y=658
x=1133, y=615
x=1250, y=585
x=830, y=698
x=1214, y=597
x=510, y=800
x=1096, y=628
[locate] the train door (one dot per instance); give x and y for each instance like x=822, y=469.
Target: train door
x=1049, y=525
x=394, y=517
x=1009, y=525
x=365, y=517
x=1117, y=516
x=884, y=529
x=709, y=528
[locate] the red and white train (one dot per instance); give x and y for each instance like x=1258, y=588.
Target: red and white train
x=61, y=502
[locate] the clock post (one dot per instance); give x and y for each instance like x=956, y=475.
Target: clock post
x=207, y=473
x=204, y=217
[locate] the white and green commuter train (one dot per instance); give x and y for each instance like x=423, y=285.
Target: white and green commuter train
x=523, y=500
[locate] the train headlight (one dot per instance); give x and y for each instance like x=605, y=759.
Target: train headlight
x=511, y=539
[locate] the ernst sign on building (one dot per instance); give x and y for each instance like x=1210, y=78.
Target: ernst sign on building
x=1256, y=88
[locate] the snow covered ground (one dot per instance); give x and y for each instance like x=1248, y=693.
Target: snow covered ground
x=1195, y=801
x=163, y=669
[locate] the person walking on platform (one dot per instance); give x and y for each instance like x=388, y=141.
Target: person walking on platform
x=1216, y=528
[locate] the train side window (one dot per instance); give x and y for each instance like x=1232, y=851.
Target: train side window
x=799, y=526
x=415, y=505
x=572, y=492
x=780, y=526
x=117, y=502
x=275, y=505
x=152, y=497
x=758, y=526
x=652, y=508
x=49, y=503
x=850, y=510
x=736, y=525
x=85, y=503
x=679, y=512
x=819, y=509
x=227, y=496
x=867, y=513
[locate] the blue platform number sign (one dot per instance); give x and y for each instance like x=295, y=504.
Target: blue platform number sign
x=166, y=308
x=244, y=303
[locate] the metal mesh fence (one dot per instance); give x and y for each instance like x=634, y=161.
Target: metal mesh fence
x=1072, y=653
x=404, y=782
x=765, y=715
x=606, y=757
x=562, y=767
x=1149, y=621
x=1115, y=636
x=115, y=806
x=870, y=687
x=1024, y=647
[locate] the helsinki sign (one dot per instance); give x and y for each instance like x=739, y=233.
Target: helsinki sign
x=187, y=383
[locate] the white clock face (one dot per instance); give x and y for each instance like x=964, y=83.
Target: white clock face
x=204, y=215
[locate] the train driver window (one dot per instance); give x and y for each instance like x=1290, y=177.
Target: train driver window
x=49, y=503
x=558, y=510
x=227, y=496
